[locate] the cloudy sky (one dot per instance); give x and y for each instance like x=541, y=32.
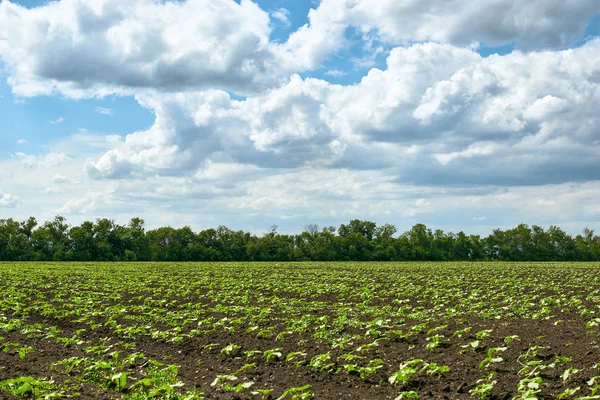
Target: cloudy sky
x=461, y=114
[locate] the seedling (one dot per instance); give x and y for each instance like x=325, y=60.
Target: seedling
x=484, y=387
x=492, y=358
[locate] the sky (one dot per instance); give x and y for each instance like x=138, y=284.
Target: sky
x=460, y=114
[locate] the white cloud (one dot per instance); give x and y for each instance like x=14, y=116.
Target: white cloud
x=306, y=48
x=8, y=200
x=220, y=173
x=438, y=114
x=22, y=141
x=28, y=161
x=84, y=204
x=85, y=143
x=282, y=15
x=454, y=117
x=57, y=121
x=87, y=48
x=51, y=190
x=476, y=149
x=57, y=178
x=45, y=161
x=336, y=73
x=246, y=196
x=84, y=48
x=103, y=111
x=531, y=24
x=535, y=24
x=285, y=126
x=545, y=108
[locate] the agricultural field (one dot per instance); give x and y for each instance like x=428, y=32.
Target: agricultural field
x=300, y=331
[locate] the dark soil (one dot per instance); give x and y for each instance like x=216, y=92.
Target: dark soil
x=199, y=366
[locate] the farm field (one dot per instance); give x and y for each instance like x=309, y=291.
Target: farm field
x=300, y=330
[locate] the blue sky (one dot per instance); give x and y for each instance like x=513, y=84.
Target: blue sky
x=365, y=111
x=37, y=120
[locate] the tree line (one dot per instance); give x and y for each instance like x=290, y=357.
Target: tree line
x=105, y=240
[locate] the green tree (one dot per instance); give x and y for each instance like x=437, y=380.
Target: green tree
x=420, y=239
x=363, y=228
x=83, y=240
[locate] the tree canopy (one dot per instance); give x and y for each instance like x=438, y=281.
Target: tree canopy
x=105, y=240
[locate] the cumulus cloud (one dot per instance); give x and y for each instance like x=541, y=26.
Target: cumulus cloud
x=438, y=114
x=8, y=200
x=185, y=132
x=86, y=48
x=531, y=24
x=101, y=47
x=535, y=24
x=454, y=118
x=22, y=141
x=283, y=128
x=306, y=47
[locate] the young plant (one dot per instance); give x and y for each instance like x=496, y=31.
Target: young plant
x=230, y=350
x=528, y=388
x=263, y=393
x=569, y=372
x=510, y=338
x=272, y=355
x=483, y=334
x=434, y=341
x=297, y=393
x=297, y=357
x=491, y=357
x=29, y=387
x=319, y=362
x=568, y=393
x=484, y=387
x=407, y=395
x=406, y=371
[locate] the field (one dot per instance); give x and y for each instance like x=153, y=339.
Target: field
x=300, y=331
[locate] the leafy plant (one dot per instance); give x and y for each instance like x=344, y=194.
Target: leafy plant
x=230, y=349
x=320, y=362
x=407, y=395
x=297, y=393
x=29, y=387
x=484, y=386
x=272, y=355
x=492, y=358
